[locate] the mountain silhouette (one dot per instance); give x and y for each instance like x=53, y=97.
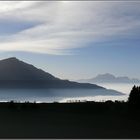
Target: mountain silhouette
x=109, y=78
x=18, y=74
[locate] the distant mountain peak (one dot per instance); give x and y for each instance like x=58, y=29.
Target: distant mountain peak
x=106, y=75
x=110, y=78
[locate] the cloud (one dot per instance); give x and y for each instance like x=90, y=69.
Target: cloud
x=62, y=26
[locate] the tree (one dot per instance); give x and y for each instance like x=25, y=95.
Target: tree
x=134, y=97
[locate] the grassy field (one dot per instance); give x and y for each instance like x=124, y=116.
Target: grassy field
x=69, y=120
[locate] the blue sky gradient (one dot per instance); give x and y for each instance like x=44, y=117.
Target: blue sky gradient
x=10, y=27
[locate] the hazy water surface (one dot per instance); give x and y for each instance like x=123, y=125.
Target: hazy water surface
x=60, y=95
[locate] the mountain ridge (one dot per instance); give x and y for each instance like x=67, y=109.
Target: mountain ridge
x=18, y=74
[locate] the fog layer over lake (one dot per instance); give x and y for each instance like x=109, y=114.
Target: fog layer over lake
x=122, y=87
x=60, y=95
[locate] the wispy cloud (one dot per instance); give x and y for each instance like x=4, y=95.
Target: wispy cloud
x=60, y=26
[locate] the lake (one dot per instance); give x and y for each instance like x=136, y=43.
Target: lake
x=66, y=95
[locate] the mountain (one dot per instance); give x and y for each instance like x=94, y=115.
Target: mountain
x=18, y=74
x=109, y=78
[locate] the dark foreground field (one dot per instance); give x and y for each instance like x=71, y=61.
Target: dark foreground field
x=69, y=120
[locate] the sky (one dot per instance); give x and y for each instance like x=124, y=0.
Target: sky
x=73, y=39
